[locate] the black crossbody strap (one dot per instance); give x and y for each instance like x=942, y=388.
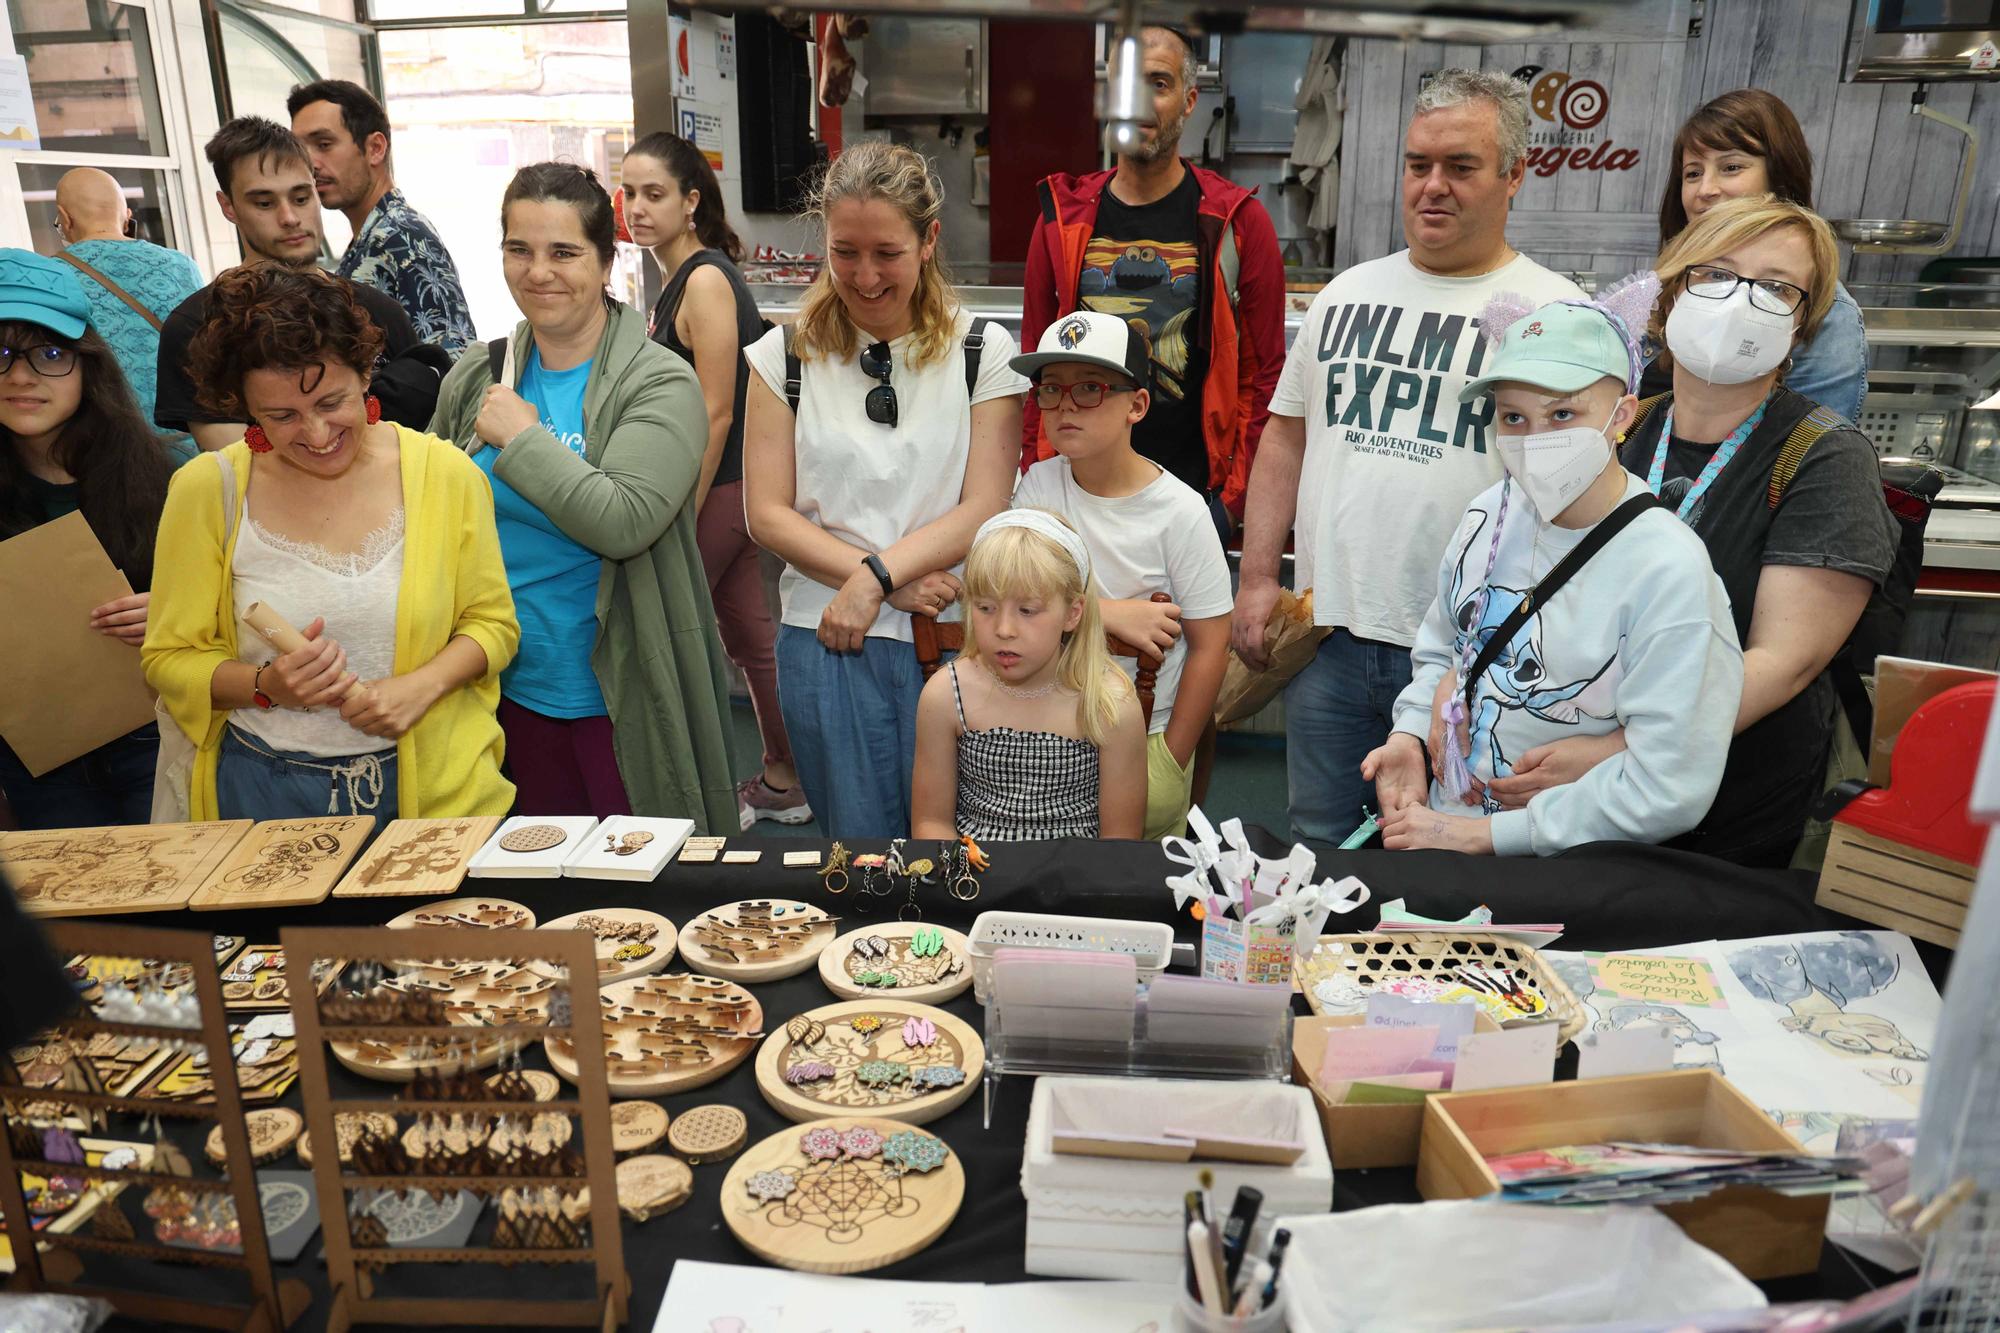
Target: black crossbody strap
x=1614, y=523
x=794, y=373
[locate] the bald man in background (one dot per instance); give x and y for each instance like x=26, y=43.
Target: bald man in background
x=132, y=285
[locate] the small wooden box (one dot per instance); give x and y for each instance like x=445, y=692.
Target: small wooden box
x=1889, y=884
x=1358, y=1136
x=1764, y=1233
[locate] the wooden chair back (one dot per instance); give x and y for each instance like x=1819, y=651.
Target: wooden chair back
x=934, y=638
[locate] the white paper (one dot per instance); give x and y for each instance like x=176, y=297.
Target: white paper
x=1508, y=1059
x=1640, y=1050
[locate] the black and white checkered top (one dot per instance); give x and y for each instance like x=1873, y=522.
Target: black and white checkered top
x=1019, y=786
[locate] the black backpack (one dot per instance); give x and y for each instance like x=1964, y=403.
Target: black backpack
x=975, y=340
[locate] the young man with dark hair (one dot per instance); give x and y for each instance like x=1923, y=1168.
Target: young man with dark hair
x=395, y=248
x=264, y=184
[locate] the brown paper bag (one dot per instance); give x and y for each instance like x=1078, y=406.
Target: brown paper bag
x=69, y=688
x=1290, y=639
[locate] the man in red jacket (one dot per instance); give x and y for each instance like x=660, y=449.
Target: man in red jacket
x=1189, y=257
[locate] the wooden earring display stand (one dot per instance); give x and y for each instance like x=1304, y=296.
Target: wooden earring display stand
x=274, y=1305
x=350, y=1268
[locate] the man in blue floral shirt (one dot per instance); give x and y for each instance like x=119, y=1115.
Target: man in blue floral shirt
x=395, y=248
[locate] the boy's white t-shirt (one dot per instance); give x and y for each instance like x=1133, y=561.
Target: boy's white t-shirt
x=1640, y=638
x=1158, y=539
x=1392, y=457
x=872, y=485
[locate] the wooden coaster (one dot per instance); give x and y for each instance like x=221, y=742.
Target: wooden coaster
x=534, y=838
x=885, y=1058
x=467, y=914
x=636, y=1127
x=284, y=863
x=667, y=1034
x=348, y=1126
x=273, y=1131
x=417, y=857
x=708, y=1133
x=630, y=942
x=899, y=960
x=763, y=939
x=545, y=1084
x=653, y=1184
x=844, y=1196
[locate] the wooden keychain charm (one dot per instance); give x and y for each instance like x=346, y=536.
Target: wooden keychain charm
x=708, y=1133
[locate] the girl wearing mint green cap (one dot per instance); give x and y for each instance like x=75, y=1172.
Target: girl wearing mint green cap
x=72, y=439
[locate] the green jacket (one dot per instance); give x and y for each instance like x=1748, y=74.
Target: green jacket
x=658, y=657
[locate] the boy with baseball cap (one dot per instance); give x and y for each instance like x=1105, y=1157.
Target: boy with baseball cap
x=1147, y=532
x=1569, y=605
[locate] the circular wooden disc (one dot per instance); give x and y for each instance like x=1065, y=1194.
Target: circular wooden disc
x=545, y=1084
x=686, y=997
x=849, y=1052
x=400, y=1070
x=273, y=1130
x=653, y=1184
x=485, y=1053
x=843, y=1215
x=708, y=1133
x=703, y=957
x=472, y=913
x=348, y=1126
x=636, y=1127
x=841, y=962
x=611, y=968
x=534, y=838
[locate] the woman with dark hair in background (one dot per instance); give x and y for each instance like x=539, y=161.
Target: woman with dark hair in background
x=72, y=439
x=374, y=539
x=593, y=438
x=707, y=316
x=1745, y=143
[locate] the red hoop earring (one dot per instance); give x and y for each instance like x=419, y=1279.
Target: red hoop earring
x=374, y=409
x=253, y=435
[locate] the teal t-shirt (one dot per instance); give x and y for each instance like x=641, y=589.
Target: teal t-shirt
x=554, y=579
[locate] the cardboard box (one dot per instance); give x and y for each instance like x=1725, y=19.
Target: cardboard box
x=1359, y=1136
x=1764, y=1233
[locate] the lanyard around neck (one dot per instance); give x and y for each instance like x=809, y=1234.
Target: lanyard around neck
x=1716, y=462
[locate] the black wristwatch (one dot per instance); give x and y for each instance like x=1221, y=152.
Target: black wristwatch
x=881, y=573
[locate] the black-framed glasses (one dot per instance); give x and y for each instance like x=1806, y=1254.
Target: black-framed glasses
x=1767, y=294
x=45, y=359
x=881, y=400
x=1085, y=394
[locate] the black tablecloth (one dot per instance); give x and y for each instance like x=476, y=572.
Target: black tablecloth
x=1608, y=896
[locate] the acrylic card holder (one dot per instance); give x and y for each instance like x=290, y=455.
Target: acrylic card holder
x=1198, y=1011
x=1085, y=996
x=1150, y=943
x=531, y=847
x=627, y=847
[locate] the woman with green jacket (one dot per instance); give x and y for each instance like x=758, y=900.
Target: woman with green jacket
x=593, y=437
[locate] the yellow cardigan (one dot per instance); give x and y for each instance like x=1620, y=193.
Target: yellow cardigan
x=453, y=582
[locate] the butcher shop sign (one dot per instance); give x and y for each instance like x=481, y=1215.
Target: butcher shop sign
x=1567, y=133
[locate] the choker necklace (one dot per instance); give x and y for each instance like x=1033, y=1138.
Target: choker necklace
x=1041, y=691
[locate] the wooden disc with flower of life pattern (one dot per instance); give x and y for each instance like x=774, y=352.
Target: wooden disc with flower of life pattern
x=902, y=960
x=534, y=838
x=708, y=1133
x=843, y=1196
x=882, y=1058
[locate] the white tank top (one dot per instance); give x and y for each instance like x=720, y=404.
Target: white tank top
x=303, y=581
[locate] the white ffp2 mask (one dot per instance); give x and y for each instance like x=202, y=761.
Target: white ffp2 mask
x=1729, y=341
x=1556, y=466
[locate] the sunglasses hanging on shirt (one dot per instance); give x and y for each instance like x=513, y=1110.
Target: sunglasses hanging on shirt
x=881, y=400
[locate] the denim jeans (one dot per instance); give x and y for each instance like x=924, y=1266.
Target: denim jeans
x=113, y=784
x=254, y=781
x=852, y=720
x=1336, y=711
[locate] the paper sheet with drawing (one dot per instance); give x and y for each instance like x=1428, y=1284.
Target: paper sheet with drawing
x=1814, y=1028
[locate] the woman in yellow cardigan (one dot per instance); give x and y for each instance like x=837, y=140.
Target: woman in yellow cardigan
x=377, y=541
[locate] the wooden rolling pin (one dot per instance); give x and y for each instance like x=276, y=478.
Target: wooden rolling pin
x=278, y=632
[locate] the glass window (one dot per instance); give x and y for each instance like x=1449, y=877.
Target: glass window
x=91, y=65
x=390, y=11
x=146, y=192
x=267, y=53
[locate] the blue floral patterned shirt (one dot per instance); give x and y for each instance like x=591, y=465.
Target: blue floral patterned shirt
x=397, y=251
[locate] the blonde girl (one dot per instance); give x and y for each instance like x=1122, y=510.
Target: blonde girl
x=1032, y=732
x=880, y=431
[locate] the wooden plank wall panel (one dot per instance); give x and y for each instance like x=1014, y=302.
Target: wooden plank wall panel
x=1873, y=158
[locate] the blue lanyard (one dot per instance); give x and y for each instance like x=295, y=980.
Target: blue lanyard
x=1716, y=462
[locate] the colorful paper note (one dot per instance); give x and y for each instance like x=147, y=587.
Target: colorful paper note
x=1353, y=1053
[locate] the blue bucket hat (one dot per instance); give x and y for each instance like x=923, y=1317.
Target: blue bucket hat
x=37, y=290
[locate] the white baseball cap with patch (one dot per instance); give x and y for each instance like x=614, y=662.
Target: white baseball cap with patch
x=1087, y=337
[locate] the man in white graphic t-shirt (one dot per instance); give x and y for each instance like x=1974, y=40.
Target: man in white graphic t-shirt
x=1369, y=458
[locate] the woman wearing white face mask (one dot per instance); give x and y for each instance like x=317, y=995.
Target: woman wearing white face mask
x=1569, y=603
x=1800, y=554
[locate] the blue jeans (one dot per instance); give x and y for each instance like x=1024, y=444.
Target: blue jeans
x=1336, y=711
x=113, y=784
x=255, y=781
x=852, y=719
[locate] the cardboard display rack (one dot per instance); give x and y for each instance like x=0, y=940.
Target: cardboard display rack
x=272, y=1304
x=351, y=1266
x=1764, y=1233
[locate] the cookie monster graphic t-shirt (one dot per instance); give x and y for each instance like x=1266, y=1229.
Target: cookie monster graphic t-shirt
x=553, y=578
x=1141, y=265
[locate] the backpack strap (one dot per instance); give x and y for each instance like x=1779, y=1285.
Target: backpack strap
x=496, y=360
x=794, y=372
x=1811, y=426
x=1646, y=406
x=975, y=343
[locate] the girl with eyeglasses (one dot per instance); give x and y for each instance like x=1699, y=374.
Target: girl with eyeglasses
x=72, y=439
x=1741, y=289
x=879, y=438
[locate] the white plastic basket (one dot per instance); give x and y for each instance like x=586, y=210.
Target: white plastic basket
x=1151, y=943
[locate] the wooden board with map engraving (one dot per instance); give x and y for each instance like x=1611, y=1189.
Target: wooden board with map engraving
x=128, y=868
x=414, y=857
x=886, y=1058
